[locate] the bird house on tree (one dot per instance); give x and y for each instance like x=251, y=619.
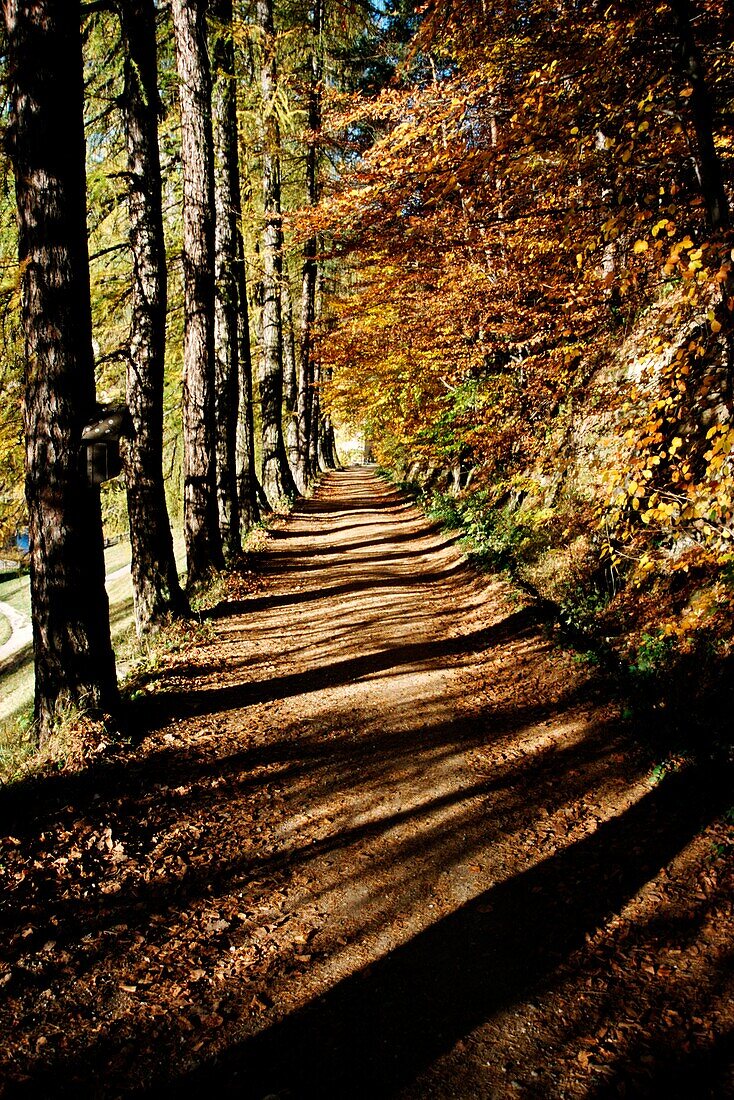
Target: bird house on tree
x=101, y=443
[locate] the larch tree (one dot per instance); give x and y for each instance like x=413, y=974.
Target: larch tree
x=290, y=382
x=307, y=403
x=201, y=514
x=227, y=303
x=156, y=588
x=248, y=487
x=277, y=479
x=74, y=661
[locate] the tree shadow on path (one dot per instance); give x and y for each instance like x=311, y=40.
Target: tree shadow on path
x=378, y=1029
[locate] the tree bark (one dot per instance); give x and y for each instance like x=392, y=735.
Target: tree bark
x=277, y=479
x=227, y=205
x=290, y=377
x=201, y=514
x=156, y=589
x=248, y=487
x=710, y=172
x=328, y=439
x=290, y=384
x=314, y=436
x=709, y=168
x=74, y=661
x=307, y=468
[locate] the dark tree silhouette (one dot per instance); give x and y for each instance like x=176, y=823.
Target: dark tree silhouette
x=201, y=518
x=71, y=636
x=156, y=586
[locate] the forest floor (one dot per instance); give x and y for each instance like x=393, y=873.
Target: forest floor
x=378, y=836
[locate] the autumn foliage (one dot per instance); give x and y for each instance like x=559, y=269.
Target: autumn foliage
x=536, y=282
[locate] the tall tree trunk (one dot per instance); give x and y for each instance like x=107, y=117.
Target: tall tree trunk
x=156, y=589
x=290, y=379
x=277, y=479
x=328, y=439
x=307, y=399
x=74, y=661
x=710, y=172
x=709, y=168
x=201, y=515
x=226, y=336
x=314, y=436
x=290, y=383
x=248, y=487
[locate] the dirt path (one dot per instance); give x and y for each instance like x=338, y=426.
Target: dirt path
x=380, y=838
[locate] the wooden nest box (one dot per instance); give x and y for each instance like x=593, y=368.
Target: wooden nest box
x=101, y=443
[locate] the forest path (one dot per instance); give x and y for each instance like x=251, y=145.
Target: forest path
x=380, y=838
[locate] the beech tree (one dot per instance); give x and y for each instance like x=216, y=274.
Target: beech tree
x=201, y=514
x=156, y=588
x=73, y=655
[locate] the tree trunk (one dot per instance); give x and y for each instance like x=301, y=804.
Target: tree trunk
x=290, y=384
x=328, y=440
x=248, y=487
x=226, y=336
x=710, y=173
x=277, y=479
x=314, y=436
x=710, y=170
x=156, y=589
x=307, y=468
x=74, y=661
x=290, y=380
x=201, y=515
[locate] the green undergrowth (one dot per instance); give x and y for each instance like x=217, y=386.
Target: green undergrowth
x=140, y=663
x=17, y=744
x=664, y=637
x=153, y=654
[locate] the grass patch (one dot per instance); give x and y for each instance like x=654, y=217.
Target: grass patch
x=17, y=744
x=75, y=739
x=15, y=591
x=150, y=656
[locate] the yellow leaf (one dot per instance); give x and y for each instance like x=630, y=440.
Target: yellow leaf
x=716, y=326
x=640, y=246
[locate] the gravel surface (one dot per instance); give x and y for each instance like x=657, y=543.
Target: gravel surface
x=380, y=837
